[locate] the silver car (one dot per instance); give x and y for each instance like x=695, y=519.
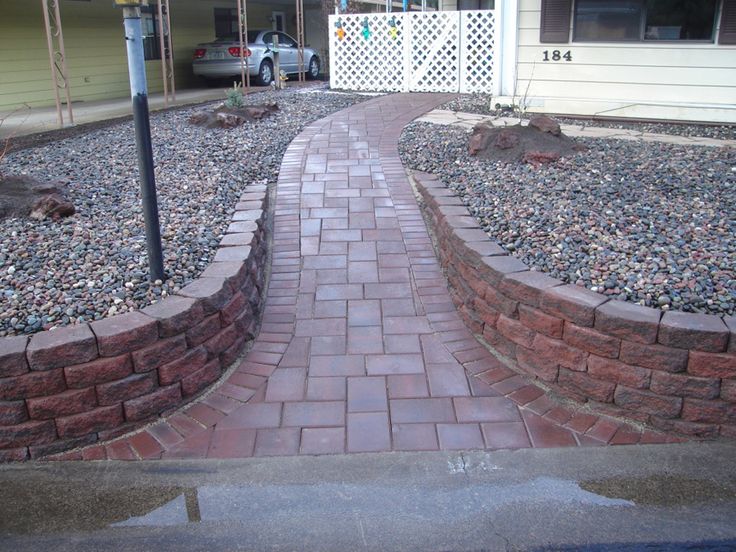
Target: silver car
x=221, y=58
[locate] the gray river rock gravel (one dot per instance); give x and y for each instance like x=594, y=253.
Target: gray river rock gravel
x=650, y=223
x=94, y=264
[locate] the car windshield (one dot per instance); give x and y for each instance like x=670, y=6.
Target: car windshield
x=234, y=37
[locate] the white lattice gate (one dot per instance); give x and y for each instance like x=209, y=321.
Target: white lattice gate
x=446, y=51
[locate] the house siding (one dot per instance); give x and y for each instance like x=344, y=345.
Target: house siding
x=95, y=48
x=695, y=81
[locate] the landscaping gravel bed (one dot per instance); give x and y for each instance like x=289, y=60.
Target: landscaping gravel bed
x=94, y=263
x=483, y=105
x=650, y=223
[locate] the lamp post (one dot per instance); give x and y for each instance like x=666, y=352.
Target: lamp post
x=139, y=93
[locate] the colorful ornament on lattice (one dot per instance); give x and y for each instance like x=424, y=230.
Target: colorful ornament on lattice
x=366, y=29
x=393, y=31
x=340, y=32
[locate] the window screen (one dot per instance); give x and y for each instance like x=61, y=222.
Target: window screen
x=607, y=20
x=634, y=20
x=680, y=20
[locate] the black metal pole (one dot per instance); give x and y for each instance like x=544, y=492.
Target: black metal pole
x=139, y=93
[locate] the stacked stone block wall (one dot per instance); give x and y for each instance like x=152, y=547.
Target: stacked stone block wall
x=672, y=370
x=78, y=384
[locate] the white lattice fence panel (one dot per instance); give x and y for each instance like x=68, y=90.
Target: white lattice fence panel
x=478, y=51
x=434, y=64
x=375, y=63
x=415, y=52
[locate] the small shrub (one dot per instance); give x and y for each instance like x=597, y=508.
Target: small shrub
x=234, y=97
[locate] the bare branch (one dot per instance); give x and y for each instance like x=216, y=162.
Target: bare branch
x=6, y=142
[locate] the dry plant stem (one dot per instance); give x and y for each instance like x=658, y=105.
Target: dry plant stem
x=523, y=105
x=6, y=142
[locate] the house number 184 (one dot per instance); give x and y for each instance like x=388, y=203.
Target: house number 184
x=556, y=55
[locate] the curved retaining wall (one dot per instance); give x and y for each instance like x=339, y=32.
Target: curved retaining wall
x=75, y=385
x=673, y=370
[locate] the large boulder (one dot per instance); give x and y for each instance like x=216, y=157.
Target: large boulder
x=539, y=142
x=23, y=196
x=53, y=206
x=545, y=124
x=224, y=117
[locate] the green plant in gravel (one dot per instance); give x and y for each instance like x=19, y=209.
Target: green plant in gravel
x=234, y=97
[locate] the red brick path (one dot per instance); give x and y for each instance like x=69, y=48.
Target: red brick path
x=361, y=348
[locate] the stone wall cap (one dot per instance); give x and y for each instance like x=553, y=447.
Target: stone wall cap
x=704, y=332
x=425, y=177
x=486, y=248
x=454, y=210
x=447, y=199
x=248, y=215
x=62, y=346
x=223, y=269
x=121, y=322
x=170, y=306
x=443, y=191
x=534, y=278
x=472, y=235
x=572, y=302
x=13, y=355
x=252, y=195
x=124, y=332
x=241, y=227
x=528, y=286
x=456, y=221
x=730, y=322
x=504, y=264
x=628, y=321
x=239, y=238
x=630, y=311
x=578, y=294
x=250, y=204
x=235, y=253
x=204, y=288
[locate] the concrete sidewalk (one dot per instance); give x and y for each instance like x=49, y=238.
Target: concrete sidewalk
x=41, y=119
x=642, y=498
x=581, y=130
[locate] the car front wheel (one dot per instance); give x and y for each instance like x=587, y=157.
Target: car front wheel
x=265, y=73
x=313, y=68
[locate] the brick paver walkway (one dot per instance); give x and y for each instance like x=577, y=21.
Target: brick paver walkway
x=361, y=348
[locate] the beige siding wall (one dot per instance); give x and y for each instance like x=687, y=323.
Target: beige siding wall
x=95, y=48
x=648, y=80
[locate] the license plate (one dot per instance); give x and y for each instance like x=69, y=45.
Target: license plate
x=217, y=55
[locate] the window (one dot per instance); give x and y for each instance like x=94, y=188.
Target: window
x=278, y=21
x=475, y=4
x=379, y=6
x=679, y=20
x=151, y=32
x=607, y=20
x=633, y=20
x=285, y=41
x=226, y=22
